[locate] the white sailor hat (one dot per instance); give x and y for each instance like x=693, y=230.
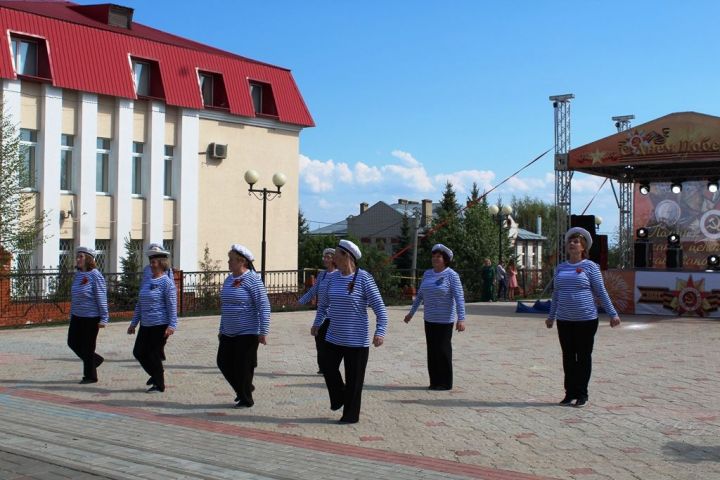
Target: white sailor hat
x=86, y=251
x=156, y=250
x=328, y=251
x=439, y=247
x=350, y=248
x=243, y=251
x=580, y=231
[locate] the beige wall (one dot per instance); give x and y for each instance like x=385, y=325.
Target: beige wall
x=227, y=214
x=104, y=217
x=30, y=105
x=171, y=114
x=105, y=115
x=138, y=218
x=139, y=123
x=69, y=112
x=168, y=219
x=66, y=226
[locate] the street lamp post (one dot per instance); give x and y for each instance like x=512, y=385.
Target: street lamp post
x=251, y=177
x=500, y=214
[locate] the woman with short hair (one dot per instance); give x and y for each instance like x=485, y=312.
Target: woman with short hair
x=442, y=294
x=156, y=312
x=577, y=283
x=88, y=312
x=244, y=324
x=349, y=294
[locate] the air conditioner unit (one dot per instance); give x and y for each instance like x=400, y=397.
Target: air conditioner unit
x=218, y=150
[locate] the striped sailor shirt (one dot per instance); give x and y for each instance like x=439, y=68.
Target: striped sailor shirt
x=245, y=308
x=442, y=296
x=349, y=323
x=576, y=285
x=89, y=296
x=157, y=304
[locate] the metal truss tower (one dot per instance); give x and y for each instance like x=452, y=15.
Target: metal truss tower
x=625, y=226
x=563, y=176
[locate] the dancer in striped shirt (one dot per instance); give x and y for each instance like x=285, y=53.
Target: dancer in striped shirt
x=88, y=312
x=577, y=283
x=320, y=288
x=156, y=312
x=349, y=294
x=147, y=275
x=442, y=294
x=244, y=324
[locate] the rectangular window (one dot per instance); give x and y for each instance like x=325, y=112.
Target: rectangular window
x=206, y=87
x=137, y=161
x=102, y=247
x=25, y=56
x=66, y=165
x=169, y=245
x=66, y=259
x=103, y=165
x=256, y=92
x=28, y=147
x=169, y=151
x=141, y=76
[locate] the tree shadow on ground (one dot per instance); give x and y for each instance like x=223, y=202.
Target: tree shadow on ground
x=689, y=453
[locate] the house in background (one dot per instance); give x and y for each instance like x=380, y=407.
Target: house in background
x=129, y=130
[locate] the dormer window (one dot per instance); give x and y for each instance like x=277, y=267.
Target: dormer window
x=212, y=89
x=30, y=56
x=25, y=56
x=146, y=77
x=262, y=98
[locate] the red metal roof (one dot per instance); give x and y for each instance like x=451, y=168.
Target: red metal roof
x=91, y=56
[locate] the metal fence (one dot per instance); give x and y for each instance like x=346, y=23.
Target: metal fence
x=199, y=292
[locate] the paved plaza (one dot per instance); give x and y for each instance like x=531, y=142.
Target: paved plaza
x=654, y=409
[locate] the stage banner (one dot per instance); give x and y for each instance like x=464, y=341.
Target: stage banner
x=677, y=293
x=693, y=214
x=620, y=285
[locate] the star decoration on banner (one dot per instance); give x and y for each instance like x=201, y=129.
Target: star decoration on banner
x=689, y=297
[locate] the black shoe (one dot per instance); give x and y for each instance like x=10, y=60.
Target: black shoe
x=85, y=381
x=567, y=401
x=319, y=372
x=439, y=387
x=155, y=389
x=581, y=402
x=150, y=381
x=98, y=361
x=244, y=404
x=345, y=421
x=337, y=406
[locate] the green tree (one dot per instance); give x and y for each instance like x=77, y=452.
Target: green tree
x=446, y=228
x=126, y=293
x=19, y=232
x=403, y=261
x=303, y=227
x=383, y=271
x=480, y=242
x=208, y=290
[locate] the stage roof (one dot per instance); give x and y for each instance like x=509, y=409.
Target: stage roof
x=681, y=146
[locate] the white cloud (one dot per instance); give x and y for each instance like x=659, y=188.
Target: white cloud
x=365, y=174
x=321, y=176
x=462, y=181
x=407, y=157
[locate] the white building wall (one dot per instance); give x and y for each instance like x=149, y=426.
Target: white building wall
x=154, y=167
x=49, y=173
x=86, y=203
x=122, y=178
x=186, y=210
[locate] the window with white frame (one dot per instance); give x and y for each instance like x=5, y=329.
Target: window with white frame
x=169, y=246
x=168, y=174
x=102, y=248
x=24, y=56
x=28, y=147
x=103, y=165
x=141, y=76
x=66, y=162
x=66, y=259
x=137, y=161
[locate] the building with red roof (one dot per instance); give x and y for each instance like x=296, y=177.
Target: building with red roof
x=129, y=131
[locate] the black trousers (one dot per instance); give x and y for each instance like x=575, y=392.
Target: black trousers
x=320, y=341
x=348, y=393
x=438, y=338
x=82, y=338
x=149, y=348
x=502, y=289
x=237, y=359
x=577, y=340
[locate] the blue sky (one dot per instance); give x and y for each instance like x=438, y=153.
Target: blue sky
x=409, y=94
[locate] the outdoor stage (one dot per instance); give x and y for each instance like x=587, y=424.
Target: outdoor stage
x=671, y=167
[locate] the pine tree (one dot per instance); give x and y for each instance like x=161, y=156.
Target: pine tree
x=126, y=294
x=404, y=260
